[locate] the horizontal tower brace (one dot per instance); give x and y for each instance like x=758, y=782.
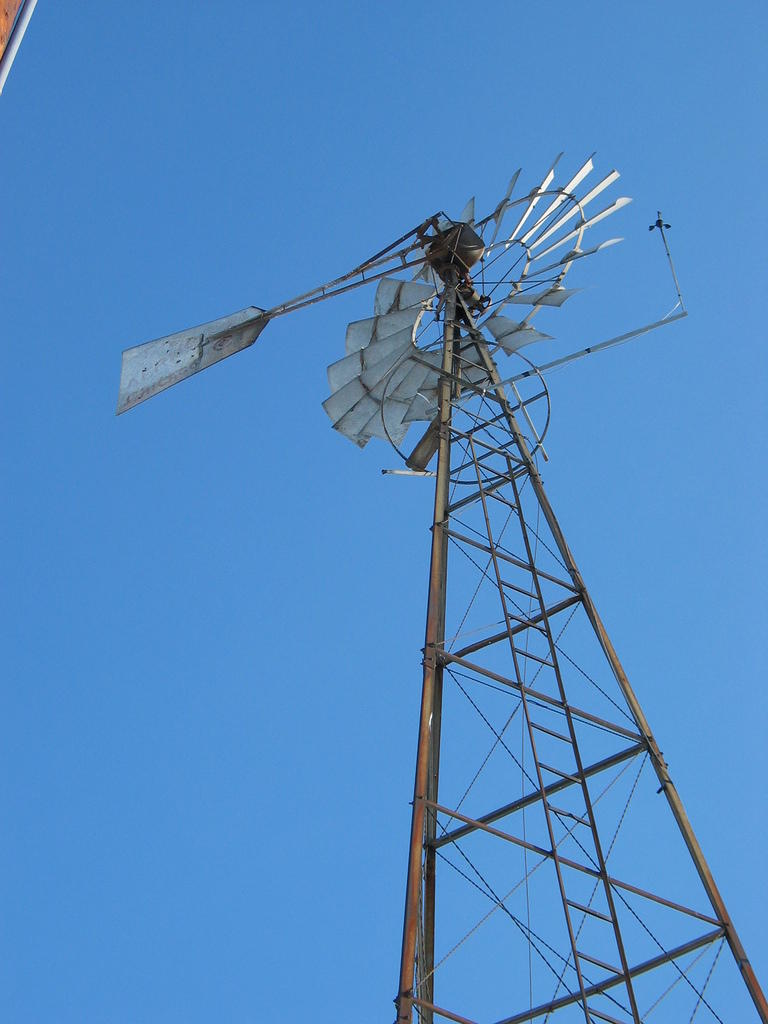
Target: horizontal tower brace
x=592, y=990
x=533, y=622
x=532, y=798
x=550, y=854
x=475, y=495
x=490, y=449
x=505, y=557
x=470, y=666
x=648, y=965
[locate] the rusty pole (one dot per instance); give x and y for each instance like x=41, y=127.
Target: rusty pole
x=428, y=749
x=657, y=758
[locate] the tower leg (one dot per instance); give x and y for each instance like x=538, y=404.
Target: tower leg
x=428, y=749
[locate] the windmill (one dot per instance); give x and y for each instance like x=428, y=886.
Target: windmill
x=543, y=807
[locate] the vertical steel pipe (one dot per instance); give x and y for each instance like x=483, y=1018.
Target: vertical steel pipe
x=428, y=748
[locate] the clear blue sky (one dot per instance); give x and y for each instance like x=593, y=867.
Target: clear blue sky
x=213, y=606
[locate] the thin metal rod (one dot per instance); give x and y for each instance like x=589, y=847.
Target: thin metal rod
x=539, y=695
x=337, y=286
x=441, y=1012
x=506, y=557
x=427, y=756
x=601, y=346
x=657, y=758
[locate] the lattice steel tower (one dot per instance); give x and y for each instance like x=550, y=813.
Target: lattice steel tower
x=541, y=807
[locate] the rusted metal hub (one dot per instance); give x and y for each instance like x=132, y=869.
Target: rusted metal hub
x=457, y=247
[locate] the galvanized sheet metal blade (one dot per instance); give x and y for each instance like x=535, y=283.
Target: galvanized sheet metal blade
x=467, y=215
x=340, y=402
x=367, y=359
x=423, y=407
x=378, y=359
x=394, y=294
x=391, y=382
x=619, y=204
x=498, y=214
x=387, y=422
x=600, y=187
x=344, y=370
x=566, y=191
x=551, y=297
x=575, y=254
x=384, y=388
x=418, y=377
x=512, y=335
x=383, y=367
x=352, y=423
x=154, y=366
x=361, y=333
x=534, y=197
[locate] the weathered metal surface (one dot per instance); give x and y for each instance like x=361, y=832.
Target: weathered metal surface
x=395, y=294
x=457, y=246
x=607, y=211
x=428, y=750
x=569, y=214
x=156, y=365
x=421, y=455
x=551, y=297
x=563, y=195
x=8, y=10
x=374, y=385
x=512, y=335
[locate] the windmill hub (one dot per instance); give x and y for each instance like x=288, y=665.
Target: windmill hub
x=456, y=247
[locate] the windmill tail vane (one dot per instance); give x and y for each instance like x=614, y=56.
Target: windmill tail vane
x=153, y=366
x=544, y=818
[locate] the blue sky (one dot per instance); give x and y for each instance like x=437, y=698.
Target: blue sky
x=213, y=605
